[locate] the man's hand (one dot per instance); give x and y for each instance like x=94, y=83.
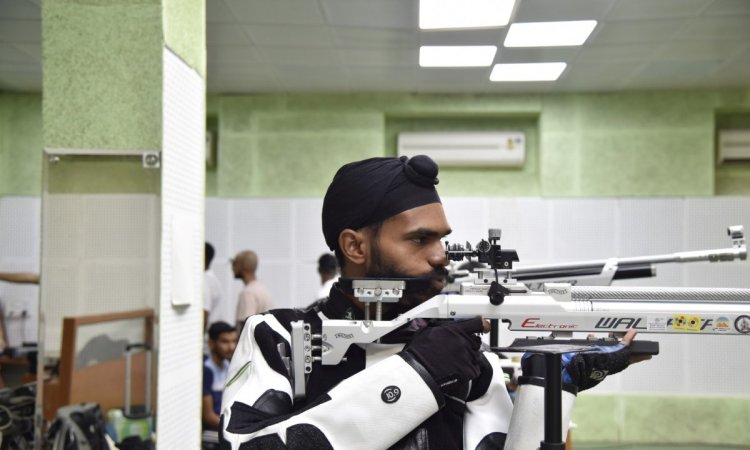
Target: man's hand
x=587, y=369
x=626, y=340
x=449, y=352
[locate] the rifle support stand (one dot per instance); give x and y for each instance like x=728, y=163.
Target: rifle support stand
x=553, y=387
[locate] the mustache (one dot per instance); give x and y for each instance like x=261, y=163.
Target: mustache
x=421, y=284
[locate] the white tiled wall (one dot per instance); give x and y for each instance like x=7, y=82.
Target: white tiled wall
x=286, y=234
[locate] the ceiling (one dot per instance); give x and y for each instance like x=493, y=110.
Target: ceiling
x=340, y=46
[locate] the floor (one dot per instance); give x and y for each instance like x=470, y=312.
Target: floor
x=610, y=446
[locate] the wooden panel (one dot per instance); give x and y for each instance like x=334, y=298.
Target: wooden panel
x=102, y=383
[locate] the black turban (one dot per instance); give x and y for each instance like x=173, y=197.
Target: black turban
x=372, y=190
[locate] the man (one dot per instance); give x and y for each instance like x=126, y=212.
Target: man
x=255, y=297
x=222, y=340
x=425, y=386
x=214, y=309
x=328, y=269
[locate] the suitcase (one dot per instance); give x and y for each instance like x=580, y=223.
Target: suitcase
x=132, y=420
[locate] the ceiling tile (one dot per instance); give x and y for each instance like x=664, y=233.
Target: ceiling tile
x=656, y=9
x=678, y=73
x=19, y=9
x=715, y=28
x=383, y=80
x=301, y=36
x=464, y=79
x=228, y=55
x=239, y=84
x=380, y=57
x=283, y=12
x=734, y=74
x=218, y=11
x=555, y=10
x=11, y=54
x=535, y=54
x=351, y=37
x=251, y=71
x=311, y=79
x=494, y=36
x=728, y=8
x=368, y=13
x=226, y=33
x=34, y=50
x=20, y=31
x=20, y=80
x=519, y=87
x=608, y=53
x=593, y=77
x=373, y=74
x=299, y=56
x=633, y=32
x=700, y=50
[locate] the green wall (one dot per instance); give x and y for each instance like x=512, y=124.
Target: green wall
x=20, y=144
x=185, y=31
x=614, y=144
x=102, y=74
x=579, y=145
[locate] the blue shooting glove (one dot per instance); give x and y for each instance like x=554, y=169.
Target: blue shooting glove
x=585, y=369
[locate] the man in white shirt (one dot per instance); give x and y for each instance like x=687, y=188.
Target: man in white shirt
x=255, y=298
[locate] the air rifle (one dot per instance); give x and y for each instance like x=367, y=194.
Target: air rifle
x=559, y=309
x=589, y=273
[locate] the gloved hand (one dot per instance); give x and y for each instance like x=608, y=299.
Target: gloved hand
x=585, y=369
x=450, y=353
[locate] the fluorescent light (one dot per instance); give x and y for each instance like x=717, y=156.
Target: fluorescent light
x=527, y=72
x=442, y=14
x=457, y=56
x=549, y=34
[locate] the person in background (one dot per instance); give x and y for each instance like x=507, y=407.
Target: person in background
x=214, y=309
x=222, y=340
x=255, y=297
x=328, y=269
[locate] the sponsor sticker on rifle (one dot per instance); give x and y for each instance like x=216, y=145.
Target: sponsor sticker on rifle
x=742, y=324
x=684, y=322
x=722, y=325
x=657, y=323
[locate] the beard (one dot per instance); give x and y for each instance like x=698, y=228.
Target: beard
x=419, y=289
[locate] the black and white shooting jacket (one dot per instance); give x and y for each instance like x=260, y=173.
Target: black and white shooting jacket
x=376, y=399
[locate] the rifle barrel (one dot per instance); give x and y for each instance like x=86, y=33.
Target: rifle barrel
x=661, y=294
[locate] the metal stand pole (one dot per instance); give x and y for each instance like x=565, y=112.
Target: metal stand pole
x=553, y=439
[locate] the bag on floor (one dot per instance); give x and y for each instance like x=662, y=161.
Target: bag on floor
x=78, y=427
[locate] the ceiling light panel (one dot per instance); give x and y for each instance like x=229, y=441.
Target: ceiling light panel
x=457, y=56
x=549, y=34
x=527, y=72
x=448, y=14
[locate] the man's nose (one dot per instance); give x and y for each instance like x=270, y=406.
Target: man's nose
x=438, y=258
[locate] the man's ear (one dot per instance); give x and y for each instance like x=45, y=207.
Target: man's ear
x=353, y=245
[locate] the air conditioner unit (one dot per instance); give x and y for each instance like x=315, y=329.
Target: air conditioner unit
x=466, y=148
x=734, y=145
